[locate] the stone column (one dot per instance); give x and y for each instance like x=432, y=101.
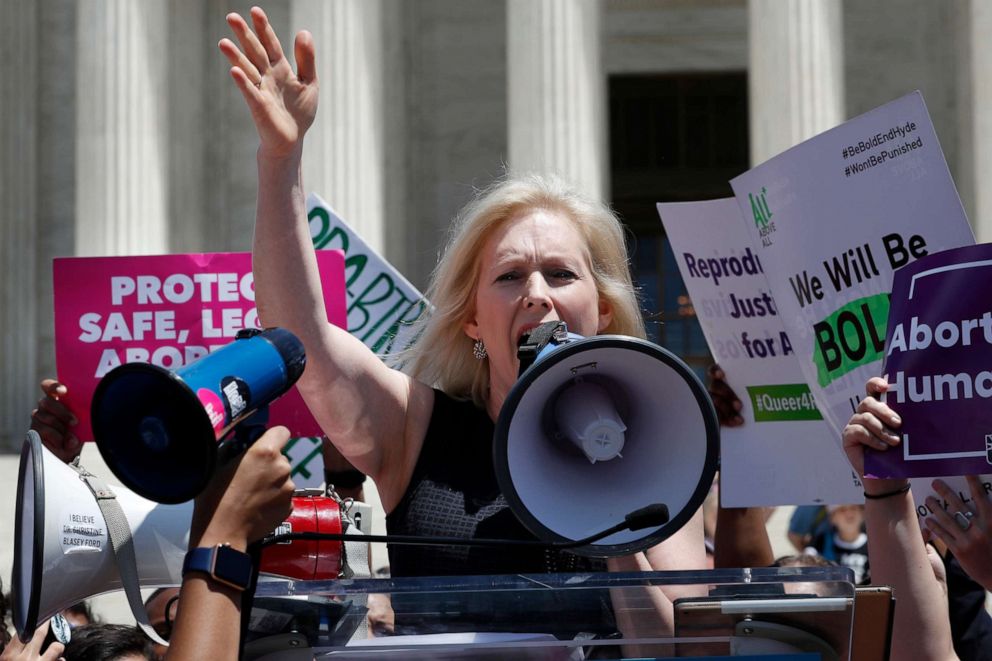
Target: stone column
x=557, y=91
x=796, y=72
x=18, y=209
x=122, y=135
x=979, y=120
x=344, y=158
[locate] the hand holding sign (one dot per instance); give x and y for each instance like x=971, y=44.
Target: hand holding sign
x=871, y=426
x=54, y=422
x=728, y=405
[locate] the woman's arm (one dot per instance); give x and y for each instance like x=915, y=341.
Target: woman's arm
x=641, y=612
x=742, y=538
x=898, y=557
x=374, y=415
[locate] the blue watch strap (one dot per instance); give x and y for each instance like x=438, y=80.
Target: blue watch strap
x=221, y=563
x=199, y=559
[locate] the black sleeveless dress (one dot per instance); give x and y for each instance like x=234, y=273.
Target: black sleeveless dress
x=454, y=493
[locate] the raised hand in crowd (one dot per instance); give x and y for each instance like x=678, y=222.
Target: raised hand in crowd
x=15, y=650
x=244, y=502
x=966, y=529
x=54, y=422
x=896, y=552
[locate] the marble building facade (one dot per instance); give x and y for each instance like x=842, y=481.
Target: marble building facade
x=123, y=134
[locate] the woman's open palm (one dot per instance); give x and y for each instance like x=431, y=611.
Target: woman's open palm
x=282, y=103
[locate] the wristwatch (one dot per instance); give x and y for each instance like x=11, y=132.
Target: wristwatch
x=222, y=563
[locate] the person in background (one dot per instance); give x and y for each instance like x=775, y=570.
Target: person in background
x=33, y=650
x=54, y=422
x=108, y=642
x=740, y=537
x=965, y=528
x=807, y=523
x=966, y=541
x=161, y=608
x=962, y=529
x=845, y=542
x=79, y=615
x=76, y=616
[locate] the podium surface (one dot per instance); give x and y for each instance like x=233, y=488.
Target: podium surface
x=787, y=614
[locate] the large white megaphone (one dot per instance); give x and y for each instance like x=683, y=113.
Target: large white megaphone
x=598, y=428
x=62, y=551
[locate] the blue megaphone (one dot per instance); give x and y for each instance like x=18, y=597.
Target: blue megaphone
x=164, y=432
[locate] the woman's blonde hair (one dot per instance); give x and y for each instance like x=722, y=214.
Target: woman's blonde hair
x=442, y=356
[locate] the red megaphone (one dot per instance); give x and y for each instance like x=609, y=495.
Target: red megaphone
x=303, y=559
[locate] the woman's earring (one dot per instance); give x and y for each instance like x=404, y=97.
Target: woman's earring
x=479, y=350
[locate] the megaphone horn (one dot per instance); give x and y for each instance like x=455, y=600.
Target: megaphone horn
x=160, y=431
x=597, y=428
x=62, y=551
x=63, y=554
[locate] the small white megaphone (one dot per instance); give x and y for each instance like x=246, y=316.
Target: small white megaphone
x=598, y=428
x=62, y=550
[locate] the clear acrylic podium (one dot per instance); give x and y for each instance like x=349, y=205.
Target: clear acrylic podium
x=791, y=614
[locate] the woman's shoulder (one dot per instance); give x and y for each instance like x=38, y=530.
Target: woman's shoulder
x=447, y=406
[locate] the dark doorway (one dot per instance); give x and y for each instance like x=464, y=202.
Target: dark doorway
x=673, y=138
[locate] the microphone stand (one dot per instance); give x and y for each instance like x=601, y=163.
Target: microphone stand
x=650, y=516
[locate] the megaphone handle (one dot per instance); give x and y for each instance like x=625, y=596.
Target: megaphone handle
x=248, y=595
x=533, y=342
x=246, y=432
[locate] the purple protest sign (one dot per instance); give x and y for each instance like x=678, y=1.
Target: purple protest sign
x=939, y=366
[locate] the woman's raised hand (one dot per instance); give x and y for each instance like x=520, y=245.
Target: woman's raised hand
x=282, y=103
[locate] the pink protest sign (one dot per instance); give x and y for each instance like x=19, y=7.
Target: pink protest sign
x=168, y=310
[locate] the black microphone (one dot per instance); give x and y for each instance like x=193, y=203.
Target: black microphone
x=650, y=516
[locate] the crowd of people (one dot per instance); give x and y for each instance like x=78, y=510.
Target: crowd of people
x=525, y=251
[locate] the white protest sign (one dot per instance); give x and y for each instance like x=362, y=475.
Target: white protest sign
x=381, y=304
x=832, y=218
x=785, y=453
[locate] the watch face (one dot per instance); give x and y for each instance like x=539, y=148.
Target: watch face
x=233, y=567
